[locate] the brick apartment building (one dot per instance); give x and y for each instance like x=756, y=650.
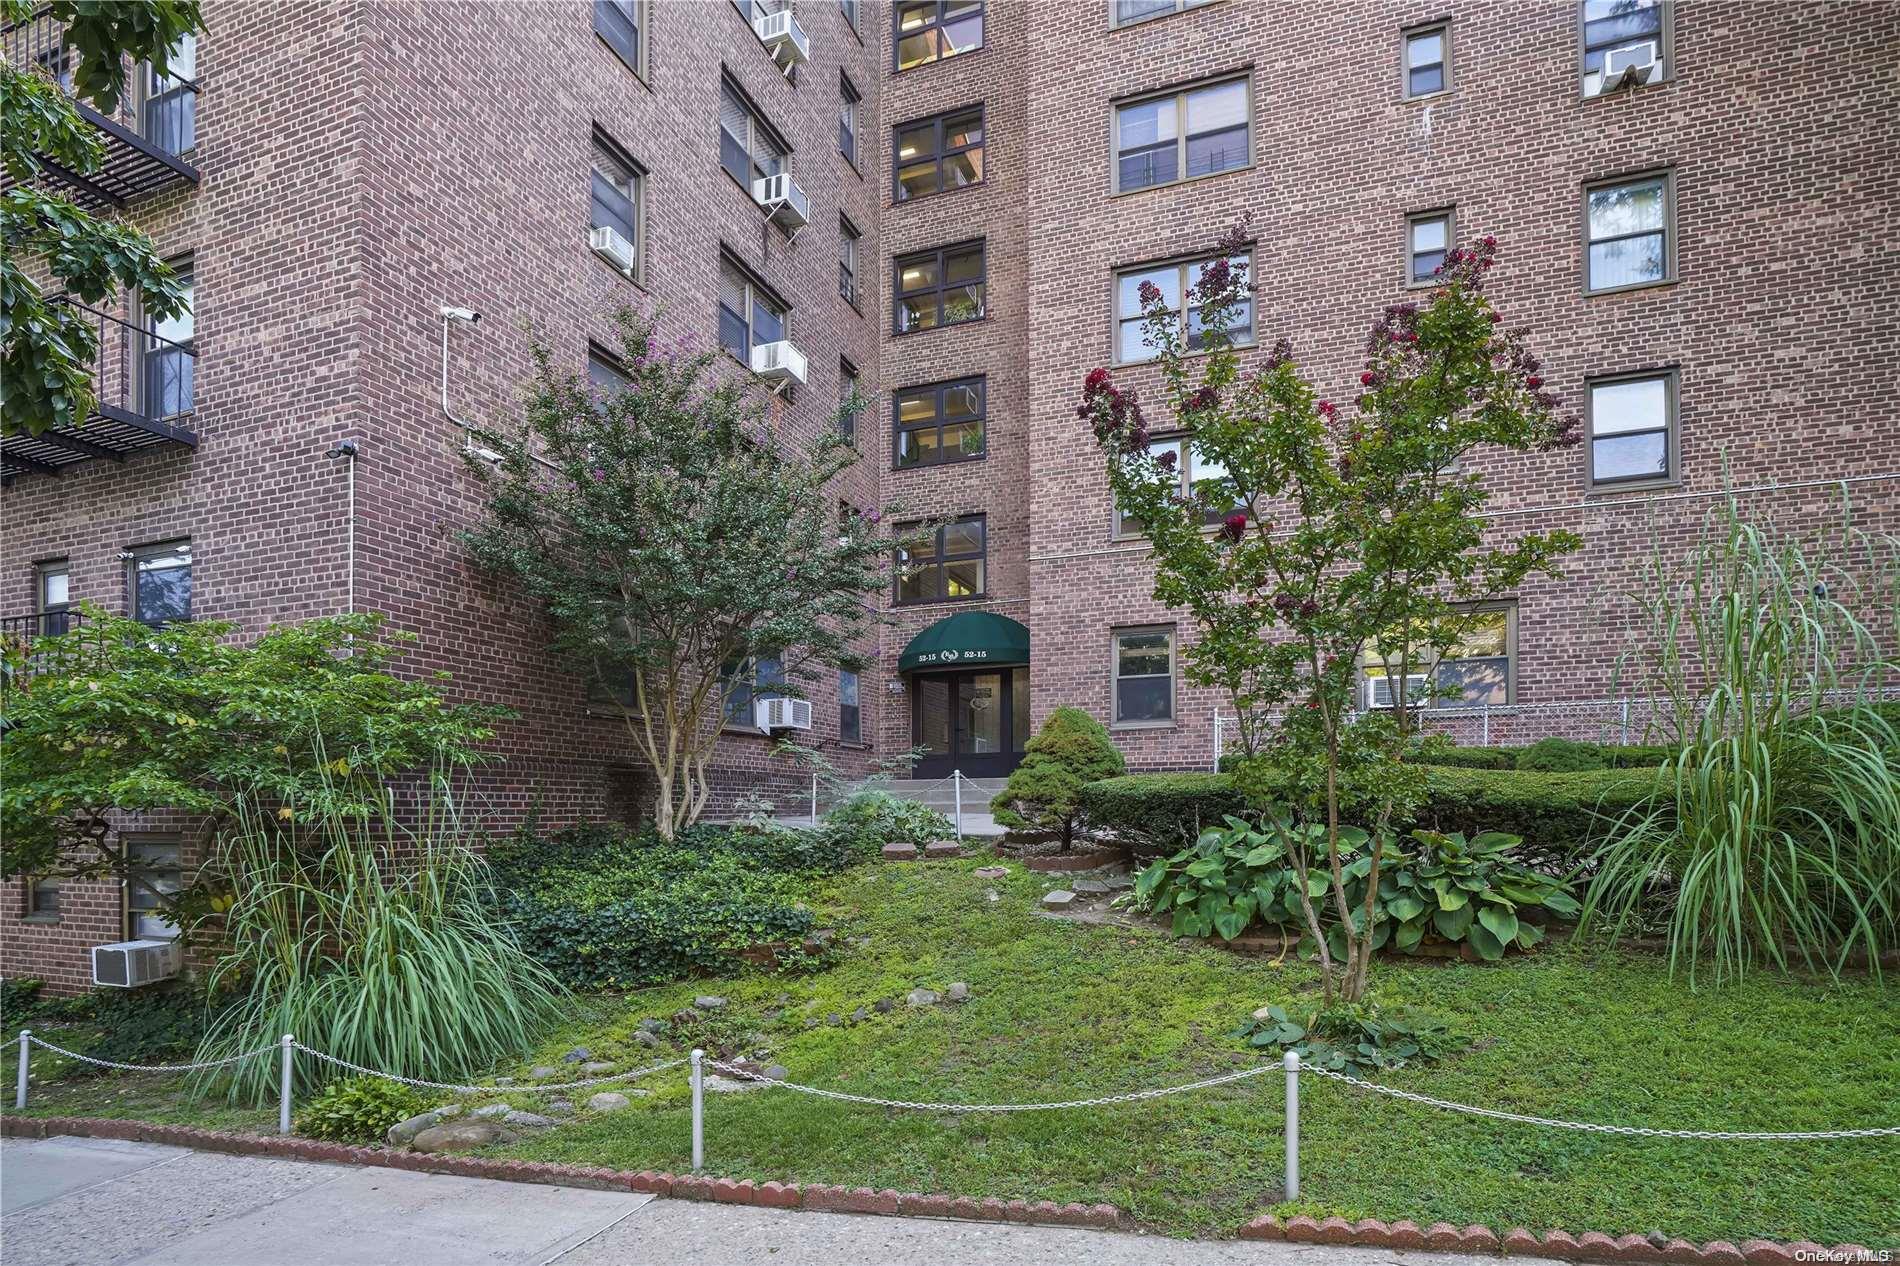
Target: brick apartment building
x=1694, y=202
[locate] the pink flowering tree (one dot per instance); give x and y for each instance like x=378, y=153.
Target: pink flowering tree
x=1313, y=532
x=688, y=554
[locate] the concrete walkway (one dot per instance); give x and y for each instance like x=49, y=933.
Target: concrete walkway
x=99, y=1202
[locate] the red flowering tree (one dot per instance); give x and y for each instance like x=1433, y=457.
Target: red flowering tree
x=1320, y=531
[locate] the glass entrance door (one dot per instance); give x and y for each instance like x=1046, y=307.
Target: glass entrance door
x=969, y=721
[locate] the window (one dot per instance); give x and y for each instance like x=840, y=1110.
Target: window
x=848, y=99
x=939, y=154
x=746, y=684
x=1182, y=136
x=943, y=287
x=55, y=596
x=1198, y=475
x=157, y=872
x=604, y=373
x=42, y=900
x=168, y=346
x=617, y=22
x=1474, y=672
x=850, y=10
x=748, y=315
x=847, y=262
x=1632, y=429
x=940, y=423
x=748, y=149
x=850, y=403
x=937, y=30
x=1144, y=676
x=1628, y=223
x=850, y=717
x=1174, y=281
x=161, y=583
x=1427, y=61
x=948, y=567
x=1128, y=12
x=1427, y=238
x=171, y=100
x=1625, y=43
x=616, y=198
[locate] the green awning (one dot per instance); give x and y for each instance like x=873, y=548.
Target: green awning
x=972, y=639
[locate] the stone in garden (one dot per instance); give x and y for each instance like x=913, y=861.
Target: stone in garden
x=403, y=1133
x=900, y=852
x=542, y=1072
x=1060, y=899
x=990, y=894
x=1264, y=1013
x=708, y=1002
x=729, y=1085
x=561, y=1107
x=860, y=1015
x=577, y=1055
x=461, y=1136
x=943, y=848
x=1119, y=883
x=646, y=1039
x=608, y=1101
x=1090, y=887
x=531, y=1120
x=686, y=1015
x=652, y=1026
x=810, y=1023
x=882, y=1006
x=447, y=1111
x=504, y=1081
x=775, y=1072
x=991, y=872
x=958, y=992
x=491, y=1111
x=834, y=1019
x=921, y=997
x=596, y=1068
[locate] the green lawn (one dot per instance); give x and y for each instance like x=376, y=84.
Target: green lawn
x=1063, y=1010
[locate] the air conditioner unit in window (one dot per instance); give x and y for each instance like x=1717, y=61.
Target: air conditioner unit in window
x=784, y=38
x=129, y=964
x=782, y=714
x=778, y=363
x=613, y=248
x=1379, y=689
x=783, y=199
x=1630, y=66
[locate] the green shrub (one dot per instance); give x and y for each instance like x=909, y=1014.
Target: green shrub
x=1561, y=755
x=1357, y=1038
x=1557, y=815
x=604, y=908
x=867, y=821
x=1467, y=757
x=1446, y=756
x=1044, y=792
x=359, y=1110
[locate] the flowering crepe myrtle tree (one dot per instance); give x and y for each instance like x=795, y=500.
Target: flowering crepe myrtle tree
x=1339, y=529
x=674, y=540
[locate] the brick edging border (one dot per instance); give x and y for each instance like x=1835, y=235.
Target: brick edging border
x=1592, y=1246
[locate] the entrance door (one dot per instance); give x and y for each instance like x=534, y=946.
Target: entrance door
x=972, y=721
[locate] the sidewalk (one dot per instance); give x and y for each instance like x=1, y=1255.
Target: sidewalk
x=99, y=1202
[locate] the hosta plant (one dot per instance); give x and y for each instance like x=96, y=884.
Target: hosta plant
x=1353, y=1038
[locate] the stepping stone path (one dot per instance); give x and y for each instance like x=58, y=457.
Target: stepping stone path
x=922, y=997
x=541, y=1072
x=1060, y=899
x=958, y=992
x=531, y=1120
x=900, y=852
x=578, y=1055
x=646, y=1039
x=992, y=872
x=492, y=1111
x=943, y=849
x=461, y=1136
x=709, y=1003
x=608, y=1101
x=729, y=1085
x=598, y=1068
x=1090, y=887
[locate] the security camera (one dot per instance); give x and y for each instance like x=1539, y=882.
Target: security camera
x=462, y=314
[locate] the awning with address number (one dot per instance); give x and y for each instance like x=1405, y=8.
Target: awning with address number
x=973, y=639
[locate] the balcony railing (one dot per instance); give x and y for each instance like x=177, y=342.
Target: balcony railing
x=147, y=139
x=142, y=384
x=32, y=645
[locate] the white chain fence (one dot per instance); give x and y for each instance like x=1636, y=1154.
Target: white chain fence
x=26, y=1037
x=537, y=1087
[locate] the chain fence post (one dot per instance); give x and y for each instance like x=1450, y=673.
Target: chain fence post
x=1219, y=724
x=814, y=797
x=26, y=1056
x=1487, y=724
x=1291, y=1062
x=699, y=1112
x=956, y=779
x=1626, y=723
x=283, y=1089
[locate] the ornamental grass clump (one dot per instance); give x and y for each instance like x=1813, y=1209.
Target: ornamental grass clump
x=1773, y=837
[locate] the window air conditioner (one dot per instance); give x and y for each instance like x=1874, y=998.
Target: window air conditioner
x=781, y=196
x=778, y=362
x=1379, y=689
x=129, y=964
x=784, y=38
x=613, y=248
x=1630, y=66
x=782, y=714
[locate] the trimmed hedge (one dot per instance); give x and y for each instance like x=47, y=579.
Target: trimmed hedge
x=1612, y=755
x=1556, y=814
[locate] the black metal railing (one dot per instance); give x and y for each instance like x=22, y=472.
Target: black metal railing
x=44, y=642
x=147, y=137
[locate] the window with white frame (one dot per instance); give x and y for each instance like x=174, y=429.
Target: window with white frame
x=748, y=148
x=1474, y=672
x=168, y=363
x=1144, y=676
x=850, y=715
x=54, y=585
x=1129, y=12
x=847, y=261
x=160, y=583
x=1427, y=61
x=1183, y=135
x=1175, y=281
x=1625, y=44
x=157, y=872
x=1199, y=477
x=1628, y=222
x=748, y=316
x=170, y=114
x=1632, y=429
x=1427, y=239
x=614, y=200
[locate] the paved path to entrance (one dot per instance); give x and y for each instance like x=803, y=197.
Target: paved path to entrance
x=99, y=1202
